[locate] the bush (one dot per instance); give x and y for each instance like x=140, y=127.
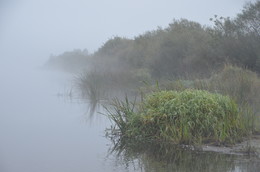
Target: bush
x=242, y=86
x=189, y=117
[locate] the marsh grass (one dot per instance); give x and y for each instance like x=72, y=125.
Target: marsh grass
x=98, y=87
x=186, y=117
x=120, y=112
x=103, y=85
x=91, y=85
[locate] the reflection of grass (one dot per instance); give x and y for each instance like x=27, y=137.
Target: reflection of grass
x=168, y=157
x=92, y=87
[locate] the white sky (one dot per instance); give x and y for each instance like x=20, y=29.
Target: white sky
x=31, y=30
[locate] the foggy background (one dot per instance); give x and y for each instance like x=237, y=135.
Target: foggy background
x=38, y=131
x=32, y=30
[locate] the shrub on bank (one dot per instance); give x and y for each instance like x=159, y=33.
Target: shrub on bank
x=242, y=86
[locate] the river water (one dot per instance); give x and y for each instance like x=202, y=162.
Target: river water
x=43, y=130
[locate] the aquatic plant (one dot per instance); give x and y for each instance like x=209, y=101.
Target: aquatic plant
x=185, y=117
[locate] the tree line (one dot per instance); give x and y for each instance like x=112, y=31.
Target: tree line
x=183, y=48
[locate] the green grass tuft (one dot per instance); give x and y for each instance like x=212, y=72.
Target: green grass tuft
x=184, y=117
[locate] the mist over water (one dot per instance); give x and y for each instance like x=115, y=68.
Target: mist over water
x=39, y=132
x=41, y=129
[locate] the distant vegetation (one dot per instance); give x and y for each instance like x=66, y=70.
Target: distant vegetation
x=183, y=48
x=74, y=61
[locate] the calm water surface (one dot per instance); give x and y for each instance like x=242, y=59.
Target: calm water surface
x=43, y=131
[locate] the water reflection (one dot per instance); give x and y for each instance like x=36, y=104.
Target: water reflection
x=167, y=157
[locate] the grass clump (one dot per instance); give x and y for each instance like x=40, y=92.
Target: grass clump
x=180, y=117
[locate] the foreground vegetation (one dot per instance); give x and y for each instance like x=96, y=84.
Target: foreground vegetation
x=186, y=117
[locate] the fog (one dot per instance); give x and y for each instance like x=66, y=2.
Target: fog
x=38, y=131
x=32, y=30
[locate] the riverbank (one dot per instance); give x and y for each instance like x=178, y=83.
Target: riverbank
x=250, y=147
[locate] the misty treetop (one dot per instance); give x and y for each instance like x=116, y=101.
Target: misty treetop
x=70, y=61
x=183, y=48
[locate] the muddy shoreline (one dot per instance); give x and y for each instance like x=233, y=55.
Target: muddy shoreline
x=250, y=147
